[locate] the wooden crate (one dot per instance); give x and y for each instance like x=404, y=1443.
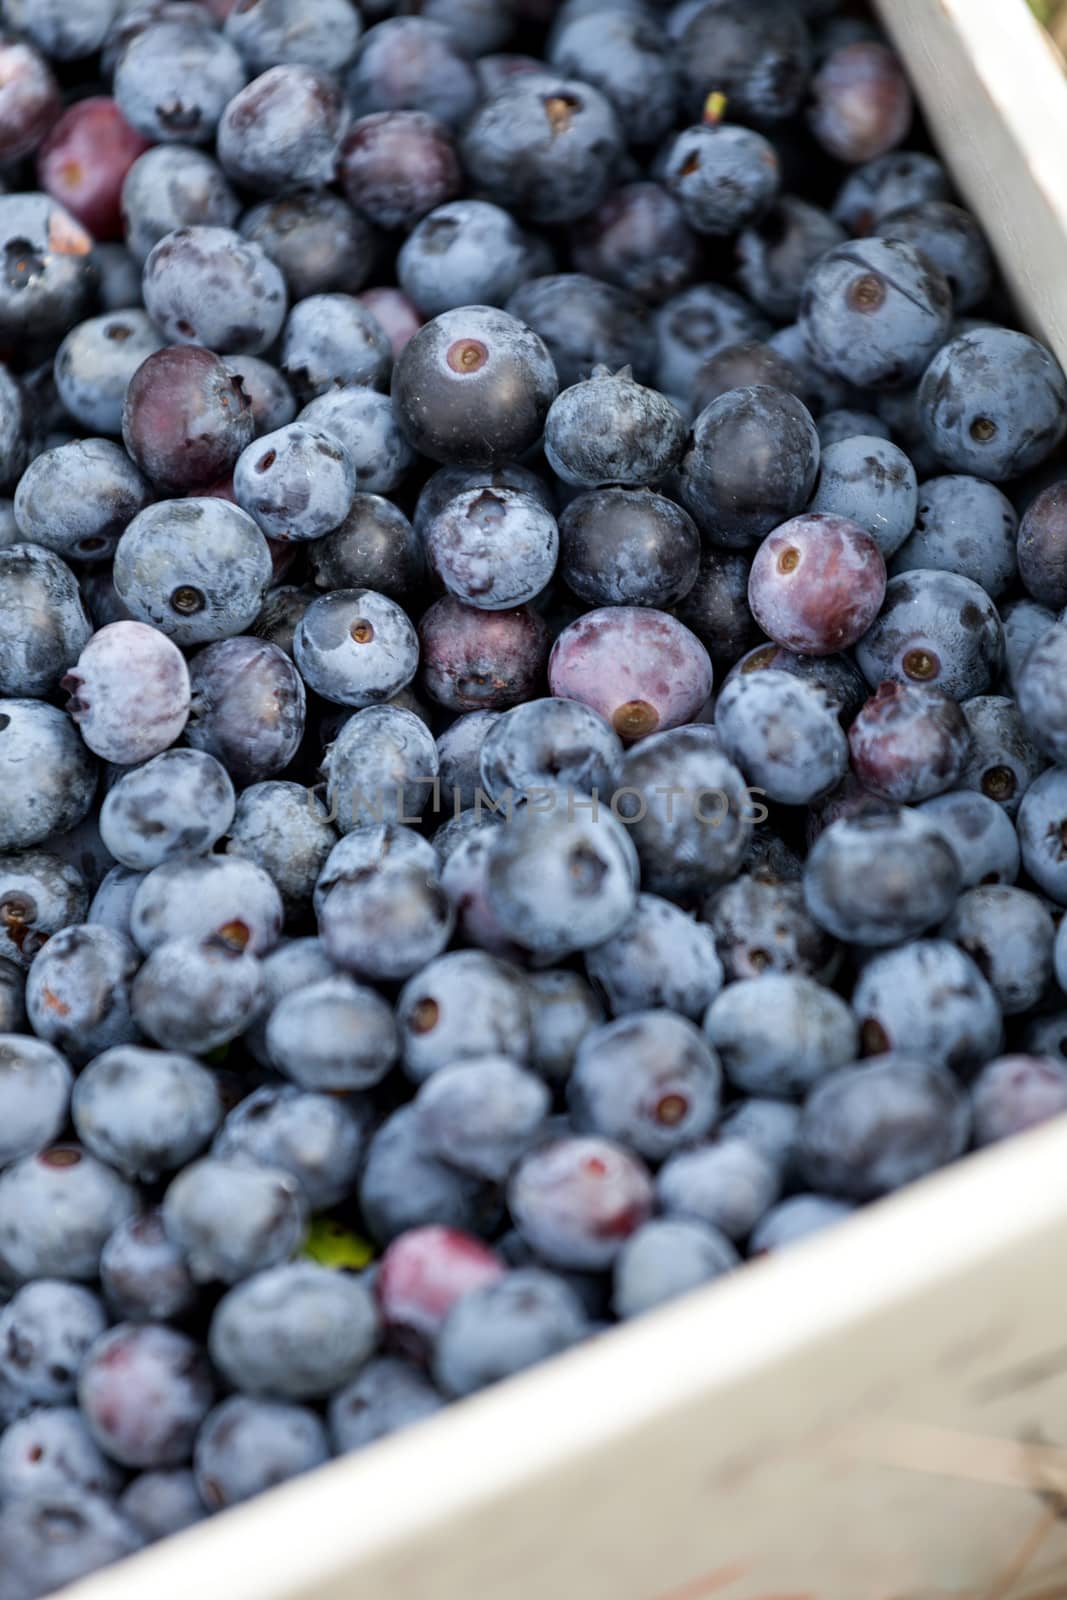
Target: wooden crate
x=880, y=1414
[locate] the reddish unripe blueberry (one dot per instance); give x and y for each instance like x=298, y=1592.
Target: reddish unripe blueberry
x=863, y=105
x=643, y=670
x=817, y=583
x=1014, y=1093
x=84, y=162
x=30, y=100
x=398, y=315
x=421, y=1276
x=576, y=1201
x=481, y=660
x=186, y=419
x=909, y=742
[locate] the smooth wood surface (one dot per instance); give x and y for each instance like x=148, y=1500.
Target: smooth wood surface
x=994, y=95
x=880, y=1414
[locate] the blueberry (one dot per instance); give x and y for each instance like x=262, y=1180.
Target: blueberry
x=399, y=319
x=51, y=1451
x=1009, y=934
x=1014, y=1093
x=545, y=145
x=872, y=482
x=612, y=430
x=333, y=1035
x=459, y=751
x=41, y=893
x=45, y=1331
x=863, y=104
x=479, y=660
x=30, y=101
x=992, y=403
x=93, y=368
x=690, y=817
x=174, y=80
x=298, y=483
x=197, y=569
x=715, y=607
x=207, y=897
x=783, y=733
x=740, y=366
x=1042, y=827
x=639, y=240
x=179, y=803
x=387, y=1396
x=887, y=184
x=493, y=548
x=817, y=583
x=49, y=274
x=586, y=323
x=647, y=1080
x=504, y=1327
x=386, y=923
x=316, y=1138
x=283, y=828
x=403, y=1187
x=363, y=421
x=246, y=1446
x=412, y=64
x=247, y=707
x=448, y=483
x=259, y=1333
x=929, y=1000
x=464, y=1005
x=333, y=339
x=35, y=1085
x=197, y=995
x=951, y=237
x=778, y=250
x=795, y=1219
x=143, y=1274
x=47, y=775
x=381, y=767
x=159, y=1504
x=983, y=843
x=965, y=525
x=751, y=463
x=271, y=398
x=283, y=129
x=869, y=1129
x=909, y=742
x=875, y=312
x=145, y=1112
x=78, y=990
x=729, y=1185
x=467, y=252
x=47, y=626
x=473, y=387
x=660, y=958
x=60, y=1538
x=724, y=176
x=628, y=58
x=761, y=924
x=668, y=1257
x=144, y=1391
x=1003, y=759
x=322, y=34
x=616, y=660
x=57, y=1208
x=481, y=1115
x=130, y=692
x=576, y=1201
x=935, y=628
x=878, y=879
x=549, y=744
x=231, y=1220
x=186, y=418
x=174, y=186
x=355, y=647
x=560, y=882
x=398, y=166
x=371, y=845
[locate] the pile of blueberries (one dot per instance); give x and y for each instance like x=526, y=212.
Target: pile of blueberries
x=533, y=708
